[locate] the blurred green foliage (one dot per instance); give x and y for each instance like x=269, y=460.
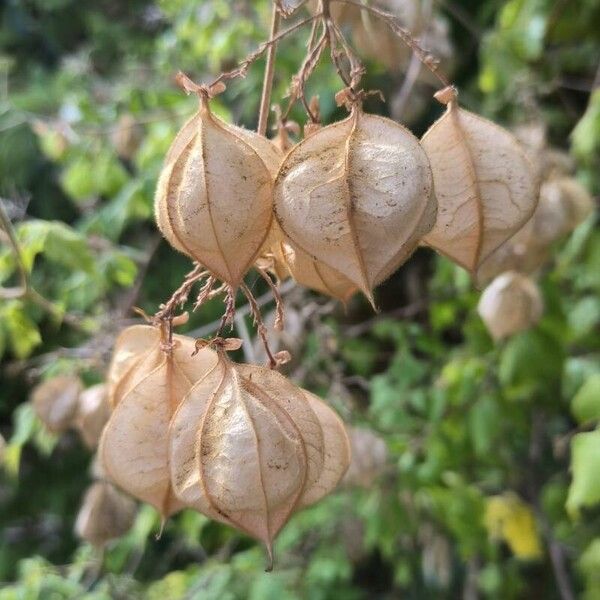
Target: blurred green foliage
x=469, y=426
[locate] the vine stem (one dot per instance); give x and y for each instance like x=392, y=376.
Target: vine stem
x=428, y=60
x=265, y=100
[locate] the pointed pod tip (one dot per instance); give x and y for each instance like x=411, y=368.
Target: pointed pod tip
x=163, y=521
x=369, y=296
x=269, y=548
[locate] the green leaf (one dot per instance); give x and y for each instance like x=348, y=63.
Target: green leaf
x=586, y=135
x=585, y=466
x=67, y=247
x=586, y=403
x=23, y=334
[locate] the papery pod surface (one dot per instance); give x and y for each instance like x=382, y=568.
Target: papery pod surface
x=566, y=204
x=244, y=446
x=484, y=183
x=510, y=304
x=357, y=197
x=55, y=401
x=134, y=445
x=93, y=412
x=214, y=196
x=336, y=451
x=369, y=457
x=523, y=253
x=131, y=346
x=315, y=275
x=105, y=514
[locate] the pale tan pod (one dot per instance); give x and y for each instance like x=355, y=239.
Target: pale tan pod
x=105, y=514
x=563, y=204
x=214, y=196
x=357, y=197
x=484, y=183
x=243, y=445
x=55, y=401
x=131, y=346
x=566, y=204
x=134, y=444
x=336, y=451
x=93, y=411
x=510, y=304
x=369, y=457
x=315, y=275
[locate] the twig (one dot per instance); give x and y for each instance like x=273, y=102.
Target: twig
x=242, y=68
x=265, y=100
x=428, y=60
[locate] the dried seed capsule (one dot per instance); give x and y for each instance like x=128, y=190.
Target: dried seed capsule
x=130, y=346
x=315, y=275
x=369, y=456
x=238, y=455
x=357, y=197
x=563, y=204
x=55, y=401
x=93, y=411
x=105, y=514
x=484, y=183
x=134, y=445
x=247, y=449
x=336, y=451
x=510, y=304
x=214, y=196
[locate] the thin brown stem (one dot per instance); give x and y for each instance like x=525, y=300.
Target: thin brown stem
x=265, y=100
x=181, y=294
x=205, y=292
x=229, y=313
x=279, y=312
x=428, y=60
x=309, y=64
x=259, y=323
x=242, y=68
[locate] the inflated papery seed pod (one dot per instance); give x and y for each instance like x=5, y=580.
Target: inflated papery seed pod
x=55, y=401
x=93, y=411
x=563, y=204
x=214, y=196
x=105, y=514
x=270, y=257
x=307, y=271
x=565, y=199
x=315, y=275
x=356, y=196
x=337, y=452
x=134, y=445
x=369, y=457
x=248, y=448
x=510, y=304
x=523, y=253
x=484, y=183
x=131, y=346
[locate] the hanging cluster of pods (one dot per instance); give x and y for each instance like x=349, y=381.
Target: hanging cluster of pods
x=340, y=211
x=239, y=443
